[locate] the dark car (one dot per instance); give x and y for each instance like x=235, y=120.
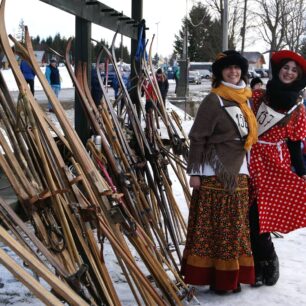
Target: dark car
x=170, y=73
x=111, y=74
x=194, y=77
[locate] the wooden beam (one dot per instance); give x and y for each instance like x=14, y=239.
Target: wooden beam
x=98, y=13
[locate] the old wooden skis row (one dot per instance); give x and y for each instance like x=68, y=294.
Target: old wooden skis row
x=158, y=178
x=76, y=205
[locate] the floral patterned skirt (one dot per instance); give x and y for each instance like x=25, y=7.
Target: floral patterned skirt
x=218, y=250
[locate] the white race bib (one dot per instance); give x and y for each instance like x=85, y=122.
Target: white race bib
x=238, y=118
x=267, y=118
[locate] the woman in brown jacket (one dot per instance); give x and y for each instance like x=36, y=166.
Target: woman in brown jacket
x=218, y=251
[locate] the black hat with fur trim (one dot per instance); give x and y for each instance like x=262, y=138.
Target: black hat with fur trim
x=228, y=58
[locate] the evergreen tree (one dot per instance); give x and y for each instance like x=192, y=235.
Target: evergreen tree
x=21, y=31
x=204, y=35
x=199, y=33
x=179, y=40
x=124, y=54
x=36, y=43
x=155, y=59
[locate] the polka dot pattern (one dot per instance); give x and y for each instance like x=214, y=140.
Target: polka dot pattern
x=280, y=194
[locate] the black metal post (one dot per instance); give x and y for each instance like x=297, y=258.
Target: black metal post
x=137, y=9
x=82, y=55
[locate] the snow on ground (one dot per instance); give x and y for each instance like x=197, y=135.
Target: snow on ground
x=12, y=86
x=289, y=291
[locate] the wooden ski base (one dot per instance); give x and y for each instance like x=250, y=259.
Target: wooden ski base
x=56, y=284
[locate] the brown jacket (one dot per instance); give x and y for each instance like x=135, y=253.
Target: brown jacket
x=214, y=139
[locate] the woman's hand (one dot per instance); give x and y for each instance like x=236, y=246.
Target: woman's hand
x=195, y=182
x=304, y=177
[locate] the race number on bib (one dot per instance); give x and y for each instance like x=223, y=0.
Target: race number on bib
x=267, y=118
x=237, y=116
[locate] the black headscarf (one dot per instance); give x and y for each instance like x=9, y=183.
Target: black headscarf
x=282, y=96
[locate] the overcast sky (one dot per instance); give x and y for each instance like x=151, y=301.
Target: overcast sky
x=163, y=17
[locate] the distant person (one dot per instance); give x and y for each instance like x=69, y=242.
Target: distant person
x=96, y=90
x=53, y=76
x=116, y=86
x=115, y=83
x=28, y=74
x=176, y=77
x=256, y=83
x=150, y=96
x=163, y=84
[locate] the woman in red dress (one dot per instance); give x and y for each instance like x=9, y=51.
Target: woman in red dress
x=278, y=194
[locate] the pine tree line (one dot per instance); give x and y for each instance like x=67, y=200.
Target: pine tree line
x=59, y=43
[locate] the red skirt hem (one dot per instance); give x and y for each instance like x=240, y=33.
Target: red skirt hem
x=220, y=280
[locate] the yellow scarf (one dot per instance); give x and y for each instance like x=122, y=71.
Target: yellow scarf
x=240, y=96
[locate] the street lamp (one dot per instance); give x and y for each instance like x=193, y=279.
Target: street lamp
x=225, y=26
x=157, y=23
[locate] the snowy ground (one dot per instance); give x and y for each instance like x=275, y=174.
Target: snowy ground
x=289, y=291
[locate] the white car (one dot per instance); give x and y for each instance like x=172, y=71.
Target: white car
x=194, y=77
x=205, y=74
x=253, y=74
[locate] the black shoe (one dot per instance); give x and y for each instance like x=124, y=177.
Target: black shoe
x=238, y=289
x=271, y=271
x=259, y=277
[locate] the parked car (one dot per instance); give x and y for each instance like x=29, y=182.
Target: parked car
x=262, y=72
x=111, y=74
x=170, y=73
x=253, y=74
x=194, y=77
x=205, y=73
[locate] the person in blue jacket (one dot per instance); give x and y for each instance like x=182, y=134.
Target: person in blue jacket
x=116, y=87
x=53, y=76
x=28, y=74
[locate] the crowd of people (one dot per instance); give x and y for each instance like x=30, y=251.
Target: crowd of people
x=247, y=173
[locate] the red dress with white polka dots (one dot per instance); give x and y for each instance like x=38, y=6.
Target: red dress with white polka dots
x=280, y=193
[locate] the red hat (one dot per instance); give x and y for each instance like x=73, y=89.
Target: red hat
x=278, y=56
